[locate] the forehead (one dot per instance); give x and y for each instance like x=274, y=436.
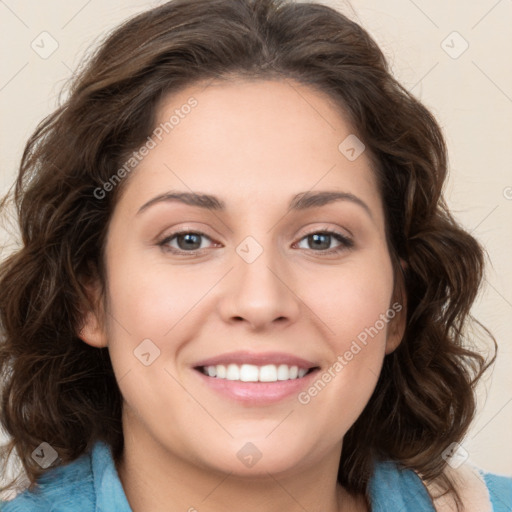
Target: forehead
x=251, y=140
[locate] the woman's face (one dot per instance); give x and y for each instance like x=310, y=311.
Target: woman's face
x=257, y=281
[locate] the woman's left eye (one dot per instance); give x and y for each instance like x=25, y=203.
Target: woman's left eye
x=190, y=241
x=320, y=239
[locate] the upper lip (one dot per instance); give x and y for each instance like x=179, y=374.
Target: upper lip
x=258, y=359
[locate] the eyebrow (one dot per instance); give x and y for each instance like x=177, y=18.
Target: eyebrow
x=300, y=201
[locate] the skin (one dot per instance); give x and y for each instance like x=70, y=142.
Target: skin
x=254, y=144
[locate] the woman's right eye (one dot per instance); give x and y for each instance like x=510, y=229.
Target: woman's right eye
x=188, y=242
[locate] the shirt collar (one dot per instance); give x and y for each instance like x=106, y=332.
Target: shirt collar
x=109, y=491
x=393, y=489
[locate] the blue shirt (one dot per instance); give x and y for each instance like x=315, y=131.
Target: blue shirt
x=91, y=484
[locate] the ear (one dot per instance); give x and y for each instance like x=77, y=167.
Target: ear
x=93, y=329
x=397, y=324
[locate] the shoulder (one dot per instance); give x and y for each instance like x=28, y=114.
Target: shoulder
x=69, y=487
x=480, y=491
x=393, y=487
x=500, y=490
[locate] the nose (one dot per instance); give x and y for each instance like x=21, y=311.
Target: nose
x=260, y=293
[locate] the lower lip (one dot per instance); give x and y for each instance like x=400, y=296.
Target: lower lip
x=257, y=393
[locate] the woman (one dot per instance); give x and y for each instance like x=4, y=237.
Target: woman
x=239, y=286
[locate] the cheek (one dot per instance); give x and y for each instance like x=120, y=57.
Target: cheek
x=355, y=329
x=355, y=309
x=149, y=297
x=353, y=300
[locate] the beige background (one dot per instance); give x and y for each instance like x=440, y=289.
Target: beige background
x=470, y=93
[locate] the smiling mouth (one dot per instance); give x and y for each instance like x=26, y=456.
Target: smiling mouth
x=255, y=373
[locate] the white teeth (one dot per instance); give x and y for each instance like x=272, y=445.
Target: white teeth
x=268, y=373
x=283, y=372
x=253, y=373
x=249, y=373
x=233, y=372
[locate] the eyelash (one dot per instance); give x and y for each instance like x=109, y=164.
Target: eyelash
x=345, y=242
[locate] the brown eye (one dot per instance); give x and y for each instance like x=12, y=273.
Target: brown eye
x=187, y=241
x=320, y=241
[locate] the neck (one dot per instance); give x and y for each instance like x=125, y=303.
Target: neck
x=158, y=480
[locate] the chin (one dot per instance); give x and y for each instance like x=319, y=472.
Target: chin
x=256, y=457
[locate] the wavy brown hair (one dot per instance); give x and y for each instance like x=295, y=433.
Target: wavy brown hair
x=57, y=389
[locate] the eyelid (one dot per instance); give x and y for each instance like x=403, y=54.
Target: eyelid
x=329, y=229
x=162, y=241
x=171, y=232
